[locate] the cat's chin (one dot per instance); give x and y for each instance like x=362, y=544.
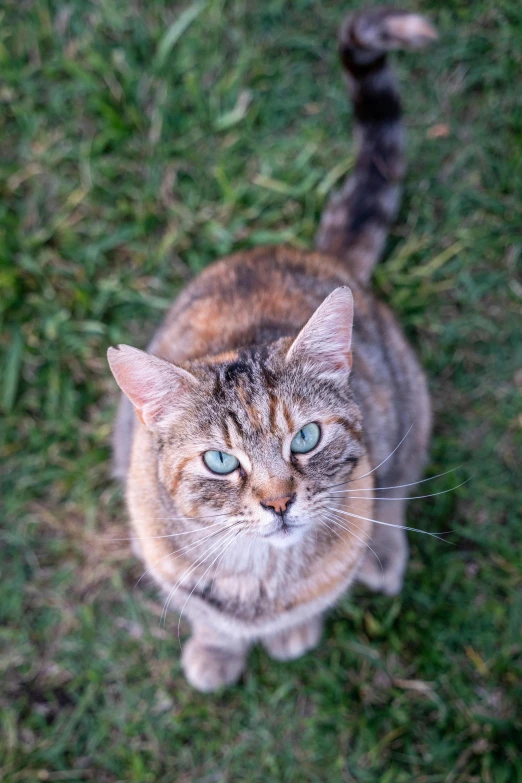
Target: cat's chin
x=285, y=536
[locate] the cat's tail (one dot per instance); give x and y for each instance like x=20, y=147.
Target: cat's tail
x=355, y=222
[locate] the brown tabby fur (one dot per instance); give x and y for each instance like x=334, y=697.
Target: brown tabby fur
x=252, y=374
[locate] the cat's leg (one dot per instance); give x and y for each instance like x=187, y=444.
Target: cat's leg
x=211, y=659
x=296, y=641
x=390, y=544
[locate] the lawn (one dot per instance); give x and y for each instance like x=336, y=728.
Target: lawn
x=139, y=142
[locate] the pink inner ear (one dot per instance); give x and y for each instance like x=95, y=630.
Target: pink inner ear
x=153, y=385
x=325, y=341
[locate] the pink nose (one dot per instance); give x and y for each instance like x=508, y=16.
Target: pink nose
x=279, y=505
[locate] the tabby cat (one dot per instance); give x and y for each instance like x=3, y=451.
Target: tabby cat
x=274, y=402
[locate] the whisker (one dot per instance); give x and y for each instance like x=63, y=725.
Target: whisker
x=183, y=550
x=247, y=561
x=167, y=535
x=412, y=497
x=199, y=562
x=219, y=556
x=399, y=444
x=389, y=524
x=330, y=529
x=206, y=516
x=398, y=486
x=348, y=530
x=340, y=521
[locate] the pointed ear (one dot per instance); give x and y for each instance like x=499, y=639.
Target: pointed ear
x=152, y=385
x=324, y=343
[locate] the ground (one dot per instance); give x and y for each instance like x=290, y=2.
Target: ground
x=140, y=141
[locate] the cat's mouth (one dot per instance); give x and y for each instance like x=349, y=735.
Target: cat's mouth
x=283, y=532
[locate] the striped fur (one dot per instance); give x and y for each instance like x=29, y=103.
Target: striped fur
x=260, y=344
x=355, y=223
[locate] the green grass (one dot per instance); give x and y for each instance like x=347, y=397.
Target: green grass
x=138, y=145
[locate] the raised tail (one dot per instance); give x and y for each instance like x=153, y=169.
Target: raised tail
x=355, y=223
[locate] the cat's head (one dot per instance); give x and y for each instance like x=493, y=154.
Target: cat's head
x=259, y=436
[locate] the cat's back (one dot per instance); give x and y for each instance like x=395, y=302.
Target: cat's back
x=247, y=299
x=255, y=297
x=258, y=296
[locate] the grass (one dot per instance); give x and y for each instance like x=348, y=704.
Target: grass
x=140, y=141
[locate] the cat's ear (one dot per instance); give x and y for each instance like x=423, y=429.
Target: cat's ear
x=324, y=343
x=153, y=385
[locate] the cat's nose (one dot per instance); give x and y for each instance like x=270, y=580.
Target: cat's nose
x=279, y=505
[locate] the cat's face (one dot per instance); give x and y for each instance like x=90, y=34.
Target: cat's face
x=256, y=439
x=260, y=443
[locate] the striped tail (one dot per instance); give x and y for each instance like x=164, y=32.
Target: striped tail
x=355, y=222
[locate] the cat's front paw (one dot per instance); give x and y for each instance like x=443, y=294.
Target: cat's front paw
x=296, y=641
x=208, y=668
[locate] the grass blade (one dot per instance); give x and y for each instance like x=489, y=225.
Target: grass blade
x=176, y=30
x=13, y=365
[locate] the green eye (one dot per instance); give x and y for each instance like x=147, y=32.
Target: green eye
x=306, y=439
x=220, y=462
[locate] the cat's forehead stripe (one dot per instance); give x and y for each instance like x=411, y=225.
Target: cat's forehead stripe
x=272, y=405
x=246, y=396
x=288, y=416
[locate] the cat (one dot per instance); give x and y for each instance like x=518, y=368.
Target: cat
x=251, y=442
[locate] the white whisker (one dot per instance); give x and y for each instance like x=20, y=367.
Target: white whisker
x=182, y=550
x=411, y=497
x=398, y=486
x=198, y=562
x=399, y=444
x=206, y=516
x=219, y=556
x=168, y=535
x=340, y=522
x=348, y=530
x=389, y=524
x=380, y=463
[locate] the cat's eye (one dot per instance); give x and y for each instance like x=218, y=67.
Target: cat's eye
x=220, y=462
x=306, y=439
